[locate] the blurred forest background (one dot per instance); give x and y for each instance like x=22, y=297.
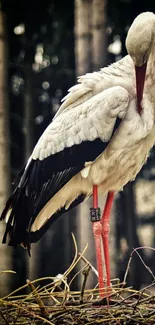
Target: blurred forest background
x=44, y=45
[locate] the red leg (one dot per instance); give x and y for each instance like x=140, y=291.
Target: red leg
x=105, y=233
x=97, y=231
x=95, y=196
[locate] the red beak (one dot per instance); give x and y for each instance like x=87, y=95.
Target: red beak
x=140, y=79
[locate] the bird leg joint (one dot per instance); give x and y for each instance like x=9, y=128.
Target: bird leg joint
x=105, y=228
x=97, y=230
x=95, y=214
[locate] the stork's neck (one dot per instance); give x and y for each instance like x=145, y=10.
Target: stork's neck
x=151, y=65
x=150, y=78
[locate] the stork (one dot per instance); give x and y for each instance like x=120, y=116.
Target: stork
x=98, y=141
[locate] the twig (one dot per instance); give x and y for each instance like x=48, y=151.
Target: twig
x=86, y=274
x=141, y=299
x=26, y=285
x=76, y=274
x=5, y=320
x=146, y=266
x=7, y=271
x=38, y=299
x=88, y=263
x=75, y=256
x=28, y=311
x=130, y=259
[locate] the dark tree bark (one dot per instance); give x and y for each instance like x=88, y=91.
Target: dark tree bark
x=83, y=36
x=5, y=177
x=99, y=38
x=129, y=228
x=28, y=111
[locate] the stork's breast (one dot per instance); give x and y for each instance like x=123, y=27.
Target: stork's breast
x=115, y=168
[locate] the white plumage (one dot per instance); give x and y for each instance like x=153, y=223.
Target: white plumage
x=94, y=119
x=111, y=155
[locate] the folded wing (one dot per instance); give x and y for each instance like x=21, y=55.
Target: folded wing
x=75, y=137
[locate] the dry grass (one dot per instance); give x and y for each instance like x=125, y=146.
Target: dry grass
x=55, y=304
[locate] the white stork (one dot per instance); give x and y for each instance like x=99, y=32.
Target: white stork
x=99, y=140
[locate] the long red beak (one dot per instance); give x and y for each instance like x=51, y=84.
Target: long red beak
x=140, y=79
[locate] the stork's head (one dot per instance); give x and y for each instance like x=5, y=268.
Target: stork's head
x=139, y=44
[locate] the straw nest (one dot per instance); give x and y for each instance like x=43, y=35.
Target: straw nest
x=55, y=303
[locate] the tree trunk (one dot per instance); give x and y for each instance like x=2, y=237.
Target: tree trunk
x=25, y=266
x=28, y=111
x=32, y=262
x=129, y=232
x=90, y=54
x=5, y=251
x=82, y=36
x=90, y=35
x=98, y=28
